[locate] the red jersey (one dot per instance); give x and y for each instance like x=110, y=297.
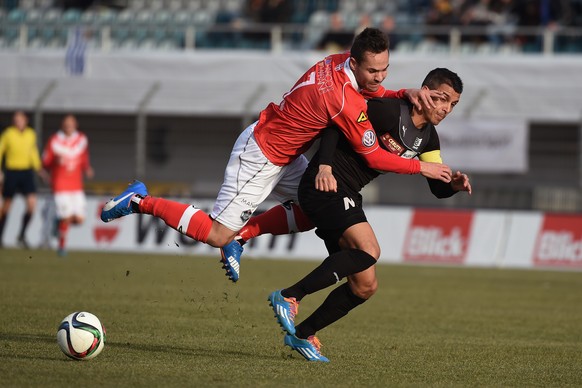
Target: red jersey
x=327, y=94
x=66, y=157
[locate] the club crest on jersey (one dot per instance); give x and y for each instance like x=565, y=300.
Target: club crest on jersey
x=246, y=215
x=362, y=117
x=369, y=138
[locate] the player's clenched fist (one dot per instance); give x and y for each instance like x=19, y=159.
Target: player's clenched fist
x=324, y=180
x=436, y=171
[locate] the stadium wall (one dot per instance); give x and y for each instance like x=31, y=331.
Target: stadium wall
x=504, y=239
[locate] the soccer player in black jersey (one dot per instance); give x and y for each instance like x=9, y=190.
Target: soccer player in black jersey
x=336, y=208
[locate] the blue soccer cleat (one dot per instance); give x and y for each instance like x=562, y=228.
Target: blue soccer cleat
x=285, y=310
x=230, y=254
x=308, y=348
x=121, y=205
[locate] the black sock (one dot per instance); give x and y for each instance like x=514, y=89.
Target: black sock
x=337, y=305
x=331, y=271
x=2, y=223
x=25, y=220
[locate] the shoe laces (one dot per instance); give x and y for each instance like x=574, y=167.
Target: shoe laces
x=293, y=307
x=315, y=342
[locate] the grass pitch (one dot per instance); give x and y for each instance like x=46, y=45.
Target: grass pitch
x=177, y=321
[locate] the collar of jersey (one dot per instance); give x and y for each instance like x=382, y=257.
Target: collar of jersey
x=351, y=75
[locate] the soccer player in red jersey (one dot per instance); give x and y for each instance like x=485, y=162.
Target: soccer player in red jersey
x=66, y=157
x=268, y=156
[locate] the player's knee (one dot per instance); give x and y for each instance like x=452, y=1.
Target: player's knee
x=366, y=289
x=372, y=249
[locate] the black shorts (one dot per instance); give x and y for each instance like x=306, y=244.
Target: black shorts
x=18, y=181
x=332, y=213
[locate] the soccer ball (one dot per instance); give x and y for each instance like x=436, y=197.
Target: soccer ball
x=81, y=336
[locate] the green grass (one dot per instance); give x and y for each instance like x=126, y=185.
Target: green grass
x=176, y=321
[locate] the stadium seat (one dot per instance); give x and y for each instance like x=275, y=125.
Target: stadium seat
x=193, y=5
x=17, y=16
x=144, y=16
x=105, y=17
x=71, y=16
x=126, y=17
x=137, y=5
x=203, y=18
x=33, y=16
x=51, y=16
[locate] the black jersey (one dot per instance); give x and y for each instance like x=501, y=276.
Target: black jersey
x=396, y=134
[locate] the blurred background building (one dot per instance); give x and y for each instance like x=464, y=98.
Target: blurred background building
x=163, y=87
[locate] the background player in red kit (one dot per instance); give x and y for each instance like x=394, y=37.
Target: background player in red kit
x=66, y=157
x=268, y=156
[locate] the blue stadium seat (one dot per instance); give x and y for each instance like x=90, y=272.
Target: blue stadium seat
x=71, y=16
x=17, y=16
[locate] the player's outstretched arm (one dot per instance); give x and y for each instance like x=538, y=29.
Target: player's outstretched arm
x=460, y=182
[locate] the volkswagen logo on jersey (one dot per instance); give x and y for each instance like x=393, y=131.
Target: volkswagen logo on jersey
x=369, y=138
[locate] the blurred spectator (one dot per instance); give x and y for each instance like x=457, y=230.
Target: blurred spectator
x=388, y=25
x=337, y=38
x=269, y=11
x=442, y=13
x=537, y=13
x=19, y=151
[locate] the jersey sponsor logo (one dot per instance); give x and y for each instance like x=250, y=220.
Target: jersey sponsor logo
x=348, y=203
x=559, y=242
x=417, y=143
x=391, y=144
x=369, y=138
x=438, y=236
x=324, y=77
x=409, y=154
x=362, y=117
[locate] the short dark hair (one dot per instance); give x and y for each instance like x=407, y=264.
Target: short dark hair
x=441, y=75
x=370, y=40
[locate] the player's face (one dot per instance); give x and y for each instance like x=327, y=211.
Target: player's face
x=372, y=70
x=69, y=125
x=19, y=120
x=444, y=104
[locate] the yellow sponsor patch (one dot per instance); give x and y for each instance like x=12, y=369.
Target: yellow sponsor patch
x=362, y=117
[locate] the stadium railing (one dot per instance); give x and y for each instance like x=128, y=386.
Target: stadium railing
x=184, y=31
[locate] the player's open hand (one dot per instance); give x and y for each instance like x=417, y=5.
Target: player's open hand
x=460, y=182
x=324, y=180
x=438, y=171
x=422, y=98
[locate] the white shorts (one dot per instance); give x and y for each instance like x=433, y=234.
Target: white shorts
x=249, y=179
x=70, y=203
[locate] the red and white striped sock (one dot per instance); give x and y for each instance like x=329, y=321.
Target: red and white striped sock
x=281, y=219
x=184, y=218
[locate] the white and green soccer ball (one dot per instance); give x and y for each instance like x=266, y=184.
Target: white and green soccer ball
x=81, y=336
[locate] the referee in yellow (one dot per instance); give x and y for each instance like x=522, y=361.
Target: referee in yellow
x=19, y=152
